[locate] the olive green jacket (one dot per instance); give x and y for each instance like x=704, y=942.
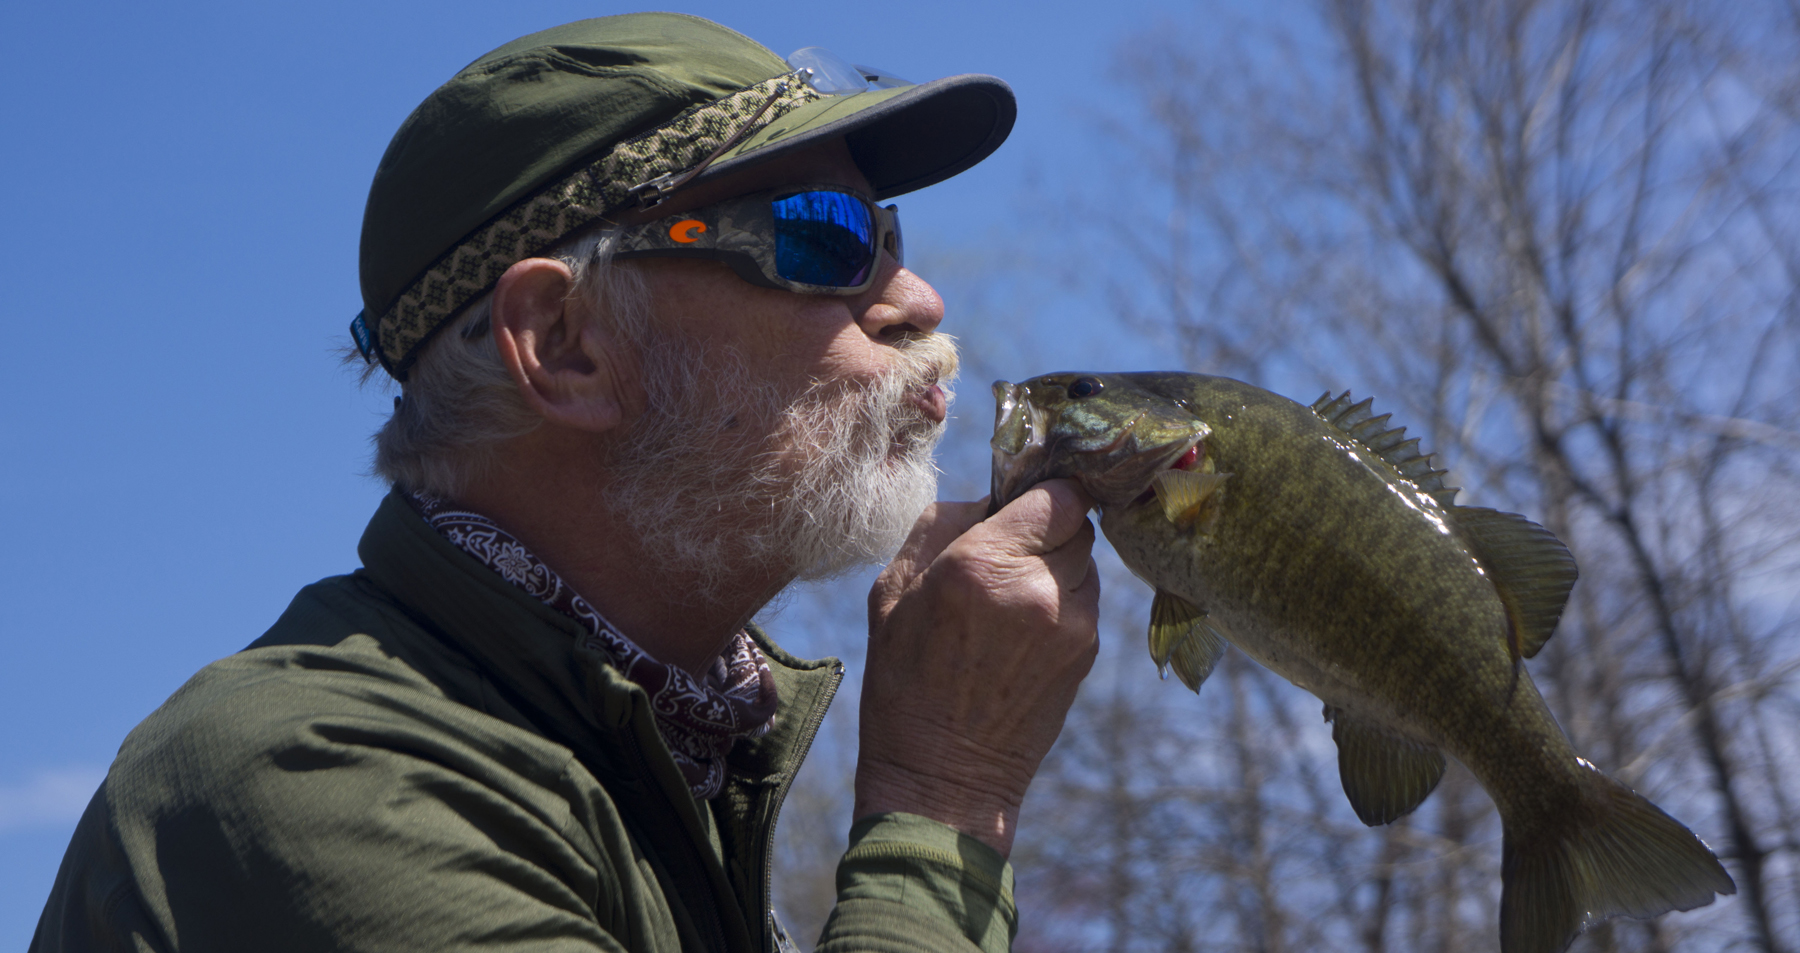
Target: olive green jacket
x=420, y=756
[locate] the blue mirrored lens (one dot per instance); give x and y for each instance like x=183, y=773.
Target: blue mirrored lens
x=823, y=238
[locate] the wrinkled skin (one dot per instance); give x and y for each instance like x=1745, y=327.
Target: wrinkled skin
x=980, y=631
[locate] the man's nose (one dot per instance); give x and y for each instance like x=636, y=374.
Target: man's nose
x=900, y=302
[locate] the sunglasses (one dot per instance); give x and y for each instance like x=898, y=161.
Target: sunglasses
x=813, y=239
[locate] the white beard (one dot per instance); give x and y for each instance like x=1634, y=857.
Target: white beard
x=724, y=472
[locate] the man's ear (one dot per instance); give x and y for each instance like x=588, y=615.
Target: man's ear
x=566, y=367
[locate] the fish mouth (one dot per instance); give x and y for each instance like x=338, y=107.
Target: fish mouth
x=1019, y=445
x=1118, y=473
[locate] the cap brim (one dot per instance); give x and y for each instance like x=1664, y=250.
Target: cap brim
x=903, y=138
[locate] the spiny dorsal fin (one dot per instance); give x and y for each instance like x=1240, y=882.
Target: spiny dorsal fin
x=1356, y=422
x=1181, y=638
x=1385, y=775
x=1531, y=570
x=1183, y=493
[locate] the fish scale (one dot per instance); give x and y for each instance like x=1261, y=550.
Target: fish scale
x=1323, y=544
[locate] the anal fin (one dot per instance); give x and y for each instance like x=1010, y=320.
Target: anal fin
x=1531, y=570
x=1385, y=775
x=1182, y=639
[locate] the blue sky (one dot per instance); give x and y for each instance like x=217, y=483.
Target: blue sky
x=183, y=185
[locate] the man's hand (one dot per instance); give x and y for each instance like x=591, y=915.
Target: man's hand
x=979, y=633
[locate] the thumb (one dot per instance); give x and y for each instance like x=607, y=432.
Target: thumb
x=1042, y=519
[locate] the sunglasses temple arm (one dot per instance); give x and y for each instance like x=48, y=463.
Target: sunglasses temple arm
x=653, y=192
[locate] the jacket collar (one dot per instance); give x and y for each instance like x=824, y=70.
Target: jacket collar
x=535, y=658
x=530, y=648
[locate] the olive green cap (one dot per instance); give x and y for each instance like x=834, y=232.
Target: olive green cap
x=549, y=133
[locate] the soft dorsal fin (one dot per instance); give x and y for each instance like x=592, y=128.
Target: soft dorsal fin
x=1184, y=493
x=1531, y=570
x=1182, y=639
x=1390, y=444
x=1385, y=775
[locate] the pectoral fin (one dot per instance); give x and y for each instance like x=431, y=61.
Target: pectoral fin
x=1184, y=493
x=1531, y=570
x=1385, y=775
x=1181, y=638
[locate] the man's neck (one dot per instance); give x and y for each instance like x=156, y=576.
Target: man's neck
x=559, y=512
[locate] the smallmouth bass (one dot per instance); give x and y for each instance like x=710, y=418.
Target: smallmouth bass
x=1321, y=543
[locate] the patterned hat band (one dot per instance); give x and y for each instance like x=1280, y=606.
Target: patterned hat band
x=609, y=184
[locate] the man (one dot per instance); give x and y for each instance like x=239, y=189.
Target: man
x=660, y=358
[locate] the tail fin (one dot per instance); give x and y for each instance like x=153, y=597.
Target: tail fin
x=1625, y=857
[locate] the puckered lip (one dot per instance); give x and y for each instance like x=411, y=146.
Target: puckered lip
x=932, y=403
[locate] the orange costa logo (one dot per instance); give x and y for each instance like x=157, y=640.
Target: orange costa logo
x=687, y=231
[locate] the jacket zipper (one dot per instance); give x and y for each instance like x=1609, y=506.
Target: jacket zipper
x=809, y=731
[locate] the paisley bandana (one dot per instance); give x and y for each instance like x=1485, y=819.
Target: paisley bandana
x=698, y=719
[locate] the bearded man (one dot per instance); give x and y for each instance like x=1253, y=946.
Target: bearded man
x=660, y=357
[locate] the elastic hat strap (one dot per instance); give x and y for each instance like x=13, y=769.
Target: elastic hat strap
x=699, y=134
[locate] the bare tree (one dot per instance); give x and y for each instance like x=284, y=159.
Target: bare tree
x=1559, y=238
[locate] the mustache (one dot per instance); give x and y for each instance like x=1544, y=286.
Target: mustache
x=926, y=358
x=868, y=419
x=920, y=360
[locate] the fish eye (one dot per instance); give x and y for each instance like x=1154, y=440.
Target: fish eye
x=1085, y=387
